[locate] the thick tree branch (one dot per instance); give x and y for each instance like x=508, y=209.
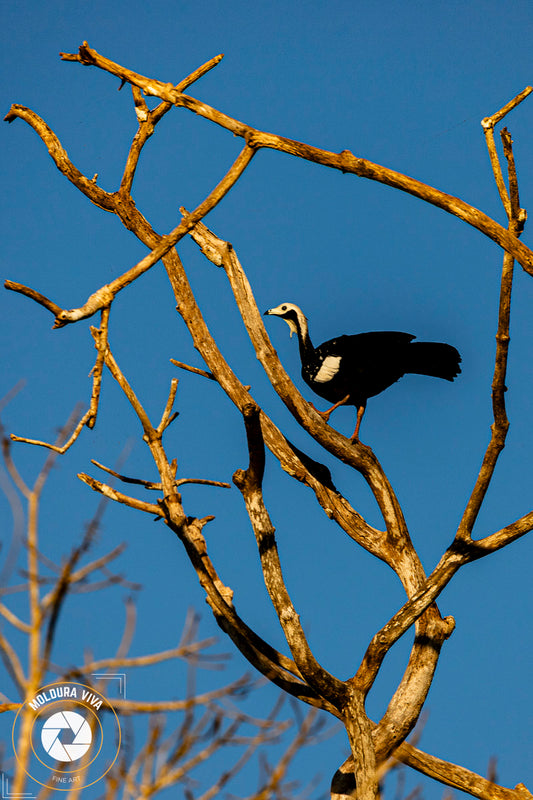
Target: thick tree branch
x=360, y=457
x=445, y=772
x=345, y=161
x=465, y=549
x=359, y=730
x=111, y=202
x=328, y=497
x=458, y=777
x=457, y=555
x=96, y=195
x=249, y=482
x=304, y=677
x=276, y=667
x=453, y=560
x=291, y=460
x=272, y=664
x=503, y=537
x=398, y=552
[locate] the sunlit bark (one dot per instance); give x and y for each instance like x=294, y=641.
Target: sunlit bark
x=301, y=674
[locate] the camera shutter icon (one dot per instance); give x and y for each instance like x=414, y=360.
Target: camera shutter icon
x=56, y=725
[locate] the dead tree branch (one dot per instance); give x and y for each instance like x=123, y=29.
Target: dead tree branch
x=345, y=161
x=372, y=744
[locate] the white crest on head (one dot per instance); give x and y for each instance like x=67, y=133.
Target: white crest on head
x=283, y=309
x=328, y=370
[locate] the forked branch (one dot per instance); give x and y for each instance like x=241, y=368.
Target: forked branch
x=302, y=676
x=345, y=161
x=89, y=418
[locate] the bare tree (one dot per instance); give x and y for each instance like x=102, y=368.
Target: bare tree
x=301, y=675
x=210, y=721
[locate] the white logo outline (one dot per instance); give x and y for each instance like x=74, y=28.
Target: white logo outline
x=51, y=736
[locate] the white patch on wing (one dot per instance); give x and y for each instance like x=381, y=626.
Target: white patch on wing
x=328, y=370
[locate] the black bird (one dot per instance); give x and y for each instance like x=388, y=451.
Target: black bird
x=348, y=370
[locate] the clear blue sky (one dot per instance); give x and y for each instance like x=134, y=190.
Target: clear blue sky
x=404, y=84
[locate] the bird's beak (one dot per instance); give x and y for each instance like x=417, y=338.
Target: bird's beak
x=292, y=325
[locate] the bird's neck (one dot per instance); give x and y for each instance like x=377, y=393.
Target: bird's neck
x=304, y=340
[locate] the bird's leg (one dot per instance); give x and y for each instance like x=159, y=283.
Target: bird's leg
x=326, y=414
x=355, y=436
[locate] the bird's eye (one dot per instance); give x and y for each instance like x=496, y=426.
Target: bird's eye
x=283, y=308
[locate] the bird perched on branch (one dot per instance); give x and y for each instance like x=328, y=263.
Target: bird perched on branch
x=348, y=370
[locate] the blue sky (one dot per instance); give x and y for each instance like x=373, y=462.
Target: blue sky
x=404, y=84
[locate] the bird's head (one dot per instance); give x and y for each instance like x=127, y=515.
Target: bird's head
x=292, y=314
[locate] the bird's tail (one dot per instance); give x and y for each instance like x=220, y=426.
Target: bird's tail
x=434, y=359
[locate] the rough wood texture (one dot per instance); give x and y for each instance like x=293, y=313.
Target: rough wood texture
x=372, y=743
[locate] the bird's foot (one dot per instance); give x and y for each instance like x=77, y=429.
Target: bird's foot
x=355, y=440
x=324, y=414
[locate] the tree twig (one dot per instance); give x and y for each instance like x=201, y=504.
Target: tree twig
x=196, y=370
x=119, y=497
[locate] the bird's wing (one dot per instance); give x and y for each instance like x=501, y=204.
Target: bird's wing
x=365, y=349
x=363, y=364
x=328, y=369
